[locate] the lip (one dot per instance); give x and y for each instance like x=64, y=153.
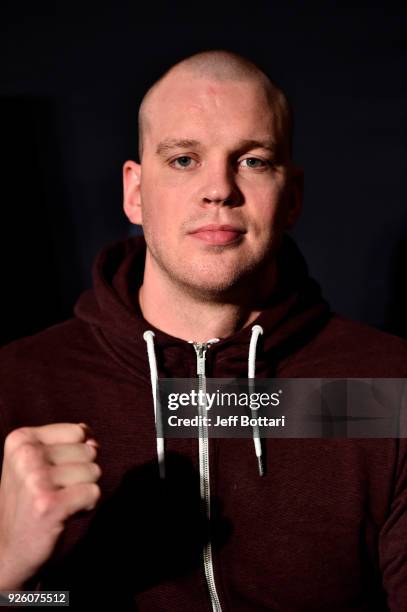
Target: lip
x=218, y=234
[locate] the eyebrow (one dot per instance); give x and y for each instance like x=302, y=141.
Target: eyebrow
x=170, y=144
x=267, y=143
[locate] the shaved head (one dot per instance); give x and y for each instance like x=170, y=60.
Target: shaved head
x=222, y=66
x=216, y=187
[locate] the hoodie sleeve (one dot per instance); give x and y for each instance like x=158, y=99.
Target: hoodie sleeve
x=393, y=538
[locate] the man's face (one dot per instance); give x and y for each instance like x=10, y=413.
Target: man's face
x=214, y=194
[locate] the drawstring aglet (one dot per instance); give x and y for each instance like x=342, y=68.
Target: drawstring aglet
x=261, y=467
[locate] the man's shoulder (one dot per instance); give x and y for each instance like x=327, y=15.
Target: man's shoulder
x=345, y=347
x=349, y=333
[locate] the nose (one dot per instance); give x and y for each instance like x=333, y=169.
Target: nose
x=219, y=186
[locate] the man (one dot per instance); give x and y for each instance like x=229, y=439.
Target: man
x=325, y=526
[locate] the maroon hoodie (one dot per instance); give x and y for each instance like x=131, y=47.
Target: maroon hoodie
x=324, y=529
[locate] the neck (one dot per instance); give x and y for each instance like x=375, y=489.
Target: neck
x=180, y=314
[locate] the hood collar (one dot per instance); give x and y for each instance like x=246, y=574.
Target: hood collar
x=295, y=308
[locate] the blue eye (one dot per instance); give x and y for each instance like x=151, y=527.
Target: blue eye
x=254, y=162
x=182, y=162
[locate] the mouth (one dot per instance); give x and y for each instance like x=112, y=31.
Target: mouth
x=218, y=234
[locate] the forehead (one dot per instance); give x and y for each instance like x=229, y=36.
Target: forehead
x=208, y=109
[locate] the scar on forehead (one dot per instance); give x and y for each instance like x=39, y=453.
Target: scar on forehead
x=211, y=89
x=212, y=94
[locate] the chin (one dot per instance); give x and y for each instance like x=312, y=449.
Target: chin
x=211, y=287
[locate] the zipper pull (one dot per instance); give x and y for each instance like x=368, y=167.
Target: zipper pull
x=200, y=358
x=200, y=350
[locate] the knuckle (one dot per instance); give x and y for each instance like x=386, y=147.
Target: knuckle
x=94, y=494
x=91, y=451
x=43, y=505
x=16, y=438
x=96, y=470
x=36, y=479
x=81, y=429
x=95, y=490
x=25, y=455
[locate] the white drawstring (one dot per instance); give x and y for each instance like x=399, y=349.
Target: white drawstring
x=148, y=336
x=256, y=331
x=152, y=362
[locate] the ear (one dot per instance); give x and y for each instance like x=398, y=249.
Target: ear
x=131, y=192
x=295, y=197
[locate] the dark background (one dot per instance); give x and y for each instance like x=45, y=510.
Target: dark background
x=71, y=79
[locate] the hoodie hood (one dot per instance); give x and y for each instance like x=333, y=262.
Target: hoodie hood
x=295, y=312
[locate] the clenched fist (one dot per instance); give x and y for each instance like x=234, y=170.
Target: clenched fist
x=49, y=473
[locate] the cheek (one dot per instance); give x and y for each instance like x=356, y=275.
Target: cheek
x=151, y=197
x=267, y=216
x=159, y=215
x=164, y=196
x=267, y=209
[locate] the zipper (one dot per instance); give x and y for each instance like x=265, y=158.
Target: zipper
x=204, y=475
